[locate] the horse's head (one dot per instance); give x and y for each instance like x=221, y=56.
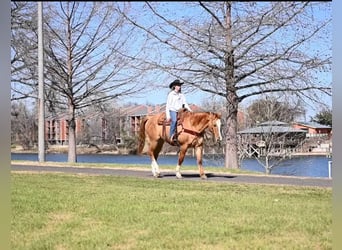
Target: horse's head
x=215, y=126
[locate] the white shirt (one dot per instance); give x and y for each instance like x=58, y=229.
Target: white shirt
x=175, y=102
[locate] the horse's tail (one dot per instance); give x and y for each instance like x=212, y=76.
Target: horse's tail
x=141, y=139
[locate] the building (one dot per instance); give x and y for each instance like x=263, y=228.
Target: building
x=272, y=137
x=57, y=128
x=313, y=129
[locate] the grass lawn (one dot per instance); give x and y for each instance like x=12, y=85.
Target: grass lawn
x=60, y=211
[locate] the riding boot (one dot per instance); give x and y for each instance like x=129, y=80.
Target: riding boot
x=174, y=139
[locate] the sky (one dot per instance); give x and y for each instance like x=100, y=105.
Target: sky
x=159, y=95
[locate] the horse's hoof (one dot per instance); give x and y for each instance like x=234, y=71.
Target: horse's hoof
x=179, y=176
x=157, y=175
x=203, y=177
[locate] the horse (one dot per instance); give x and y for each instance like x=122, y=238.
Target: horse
x=191, y=127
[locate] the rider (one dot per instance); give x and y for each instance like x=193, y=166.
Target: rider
x=175, y=101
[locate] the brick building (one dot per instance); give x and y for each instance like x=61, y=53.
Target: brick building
x=313, y=129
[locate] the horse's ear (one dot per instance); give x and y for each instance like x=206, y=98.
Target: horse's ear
x=218, y=115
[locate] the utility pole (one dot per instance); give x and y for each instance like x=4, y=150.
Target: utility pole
x=41, y=110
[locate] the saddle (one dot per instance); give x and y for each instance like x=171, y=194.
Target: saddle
x=162, y=121
x=162, y=118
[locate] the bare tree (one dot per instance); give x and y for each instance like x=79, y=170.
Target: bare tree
x=23, y=50
x=24, y=55
x=85, y=48
x=101, y=124
x=273, y=108
x=240, y=50
x=23, y=125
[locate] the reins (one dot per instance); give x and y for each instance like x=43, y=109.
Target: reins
x=189, y=131
x=192, y=132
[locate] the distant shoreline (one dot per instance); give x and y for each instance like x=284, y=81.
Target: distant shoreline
x=313, y=154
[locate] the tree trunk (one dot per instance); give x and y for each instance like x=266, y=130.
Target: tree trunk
x=72, y=135
x=267, y=165
x=231, y=157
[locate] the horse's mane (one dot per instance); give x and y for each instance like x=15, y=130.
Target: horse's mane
x=198, y=117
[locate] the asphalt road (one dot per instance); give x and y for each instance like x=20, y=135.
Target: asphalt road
x=194, y=176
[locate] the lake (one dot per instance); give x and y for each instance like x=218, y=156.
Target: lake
x=305, y=166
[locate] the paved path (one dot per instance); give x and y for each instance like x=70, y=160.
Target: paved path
x=222, y=177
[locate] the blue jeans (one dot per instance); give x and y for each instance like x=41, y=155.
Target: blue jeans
x=173, y=125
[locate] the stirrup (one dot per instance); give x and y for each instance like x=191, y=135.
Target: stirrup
x=174, y=140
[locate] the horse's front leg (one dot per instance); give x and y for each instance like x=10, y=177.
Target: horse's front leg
x=199, y=156
x=181, y=156
x=155, y=169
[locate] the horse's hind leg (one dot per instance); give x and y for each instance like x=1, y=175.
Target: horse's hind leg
x=155, y=148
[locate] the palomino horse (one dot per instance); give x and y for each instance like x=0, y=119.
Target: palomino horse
x=191, y=128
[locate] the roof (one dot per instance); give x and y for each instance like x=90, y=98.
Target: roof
x=312, y=125
x=271, y=127
x=139, y=110
x=273, y=123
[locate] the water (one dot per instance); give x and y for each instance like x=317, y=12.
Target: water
x=305, y=166
x=308, y=166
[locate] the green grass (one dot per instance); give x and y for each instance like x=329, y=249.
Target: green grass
x=59, y=211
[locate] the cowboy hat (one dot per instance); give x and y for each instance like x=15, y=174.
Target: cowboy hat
x=176, y=83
